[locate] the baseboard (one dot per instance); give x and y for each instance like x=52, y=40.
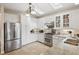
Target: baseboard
x=28, y=43
x=44, y=43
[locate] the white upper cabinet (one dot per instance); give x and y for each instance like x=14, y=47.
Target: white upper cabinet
x=68, y=19
x=62, y=21
x=57, y=22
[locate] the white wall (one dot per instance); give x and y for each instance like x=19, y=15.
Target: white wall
x=42, y=21
x=9, y=17
x=74, y=19
x=28, y=23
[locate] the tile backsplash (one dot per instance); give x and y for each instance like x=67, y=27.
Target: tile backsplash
x=64, y=31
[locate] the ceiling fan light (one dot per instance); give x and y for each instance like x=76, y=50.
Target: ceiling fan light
x=27, y=14
x=33, y=12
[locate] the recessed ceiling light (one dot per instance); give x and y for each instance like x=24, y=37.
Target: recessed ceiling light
x=27, y=14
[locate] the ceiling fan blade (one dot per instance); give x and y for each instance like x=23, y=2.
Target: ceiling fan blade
x=30, y=5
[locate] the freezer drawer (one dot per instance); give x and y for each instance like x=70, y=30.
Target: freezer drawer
x=12, y=45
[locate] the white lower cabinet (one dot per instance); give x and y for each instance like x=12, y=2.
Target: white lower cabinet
x=57, y=40
x=41, y=37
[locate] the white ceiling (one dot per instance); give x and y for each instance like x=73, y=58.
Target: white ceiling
x=39, y=8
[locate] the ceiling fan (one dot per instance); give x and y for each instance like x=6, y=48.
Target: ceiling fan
x=30, y=10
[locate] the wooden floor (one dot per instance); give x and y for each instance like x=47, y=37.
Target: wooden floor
x=30, y=49
x=40, y=49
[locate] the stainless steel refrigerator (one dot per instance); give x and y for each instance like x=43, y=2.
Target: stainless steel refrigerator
x=12, y=36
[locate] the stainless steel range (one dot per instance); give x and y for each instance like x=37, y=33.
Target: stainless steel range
x=49, y=35
x=48, y=39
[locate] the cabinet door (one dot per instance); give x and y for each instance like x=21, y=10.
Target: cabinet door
x=58, y=21
x=41, y=37
x=66, y=21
